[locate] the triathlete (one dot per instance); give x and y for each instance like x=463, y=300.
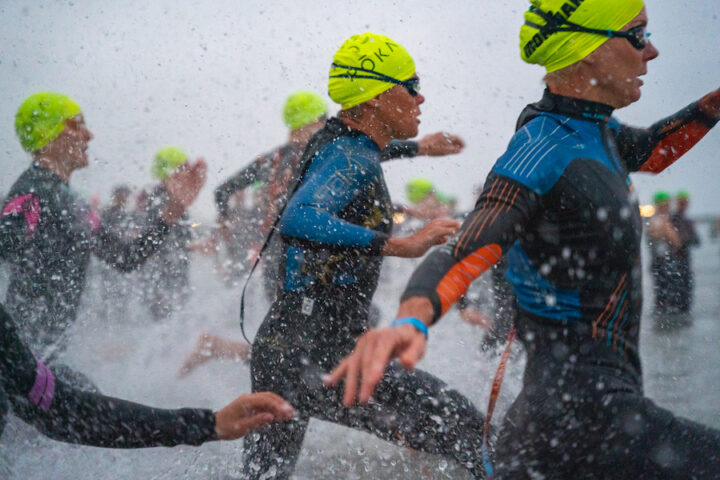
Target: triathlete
x=664, y=241
x=335, y=231
x=48, y=231
x=166, y=275
x=64, y=413
x=559, y=205
x=304, y=114
x=685, y=284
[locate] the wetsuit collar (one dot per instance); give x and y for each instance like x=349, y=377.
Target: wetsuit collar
x=575, y=107
x=46, y=172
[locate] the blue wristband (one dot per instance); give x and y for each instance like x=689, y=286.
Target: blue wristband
x=420, y=326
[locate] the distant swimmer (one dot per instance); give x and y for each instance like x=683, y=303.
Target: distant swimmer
x=664, y=241
x=335, y=231
x=166, y=275
x=685, y=227
x=559, y=206
x=64, y=413
x=48, y=232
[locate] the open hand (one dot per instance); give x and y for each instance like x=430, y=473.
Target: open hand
x=183, y=187
x=439, y=144
x=250, y=412
x=373, y=352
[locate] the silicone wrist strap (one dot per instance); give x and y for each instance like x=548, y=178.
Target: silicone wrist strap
x=420, y=326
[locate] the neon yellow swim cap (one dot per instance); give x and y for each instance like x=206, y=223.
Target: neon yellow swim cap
x=166, y=160
x=303, y=108
x=417, y=189
x=41, y=118
x=359, y=65
x=558, y=50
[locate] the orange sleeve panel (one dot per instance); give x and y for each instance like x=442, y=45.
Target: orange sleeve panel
x=457, y=280
x=674, y=146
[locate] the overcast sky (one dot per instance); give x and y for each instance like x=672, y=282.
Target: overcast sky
x=212, y=76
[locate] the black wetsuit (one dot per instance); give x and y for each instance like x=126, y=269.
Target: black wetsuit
x=333, y=230
x=166, y=275
x=47, y=235
x=560, y=207
x=64, y=413
x=685, y=284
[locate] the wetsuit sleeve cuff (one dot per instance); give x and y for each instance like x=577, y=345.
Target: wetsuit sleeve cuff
x=400, y=149
x=703, y=117
x=433, y=297
x=377, y=244
x=200, y=426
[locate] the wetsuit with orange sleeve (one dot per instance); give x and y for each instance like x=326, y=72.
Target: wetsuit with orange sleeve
x=559, y=205
x=64, y=413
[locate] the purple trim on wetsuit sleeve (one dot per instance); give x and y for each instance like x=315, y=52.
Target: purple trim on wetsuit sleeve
x=30, y=207
x=43, y=390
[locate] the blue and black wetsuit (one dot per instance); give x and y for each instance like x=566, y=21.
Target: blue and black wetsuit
x=560, y=207
x=334, y=229
x=64, y=413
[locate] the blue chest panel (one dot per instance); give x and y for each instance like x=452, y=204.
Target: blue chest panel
x=540, y=151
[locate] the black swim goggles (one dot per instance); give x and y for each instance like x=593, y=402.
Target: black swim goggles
x=412, y=85
x=637, y=36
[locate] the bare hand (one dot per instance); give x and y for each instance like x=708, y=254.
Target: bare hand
x=435, y=232
x=439, y=144
x=250, y=412
x=182, y=187
x=373, y=352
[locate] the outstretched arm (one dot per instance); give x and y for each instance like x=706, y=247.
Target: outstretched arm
x=181, y=188
x=434, y=145
x=258, y=170
x=312, y=214
x=502, y=211
x=656, y=148
x=70, y=415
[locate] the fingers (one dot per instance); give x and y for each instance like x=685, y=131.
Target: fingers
x=253, y=423
x=414, y=352
x=351, y=378
x=336, y=375
x=267, y=402
x=380, y=356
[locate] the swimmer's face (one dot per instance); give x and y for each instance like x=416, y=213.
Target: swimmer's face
x=72, y=143
x=399, y=111
x=617, y=66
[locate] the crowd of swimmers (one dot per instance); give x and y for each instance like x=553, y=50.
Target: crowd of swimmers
x=556, y=220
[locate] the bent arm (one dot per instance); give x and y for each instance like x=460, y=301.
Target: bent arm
x=312, y=214
x=74, y=416
x=124, y=255
x=258, y=170
x=502, y=211
x=656, y=148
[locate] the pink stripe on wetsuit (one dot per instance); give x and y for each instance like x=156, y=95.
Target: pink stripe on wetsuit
x=29, y=206
x=43, y=390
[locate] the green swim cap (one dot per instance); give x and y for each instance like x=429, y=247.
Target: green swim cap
x=416, y=190
x=558, y=50
x=661, y=197
x=683, y=195
x=359, y=65
x=41, y=118
x=166, y=161
x=303, y=108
